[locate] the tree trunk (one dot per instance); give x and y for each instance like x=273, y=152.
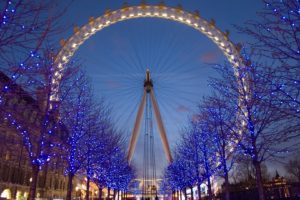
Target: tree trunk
x=179, y=195
x=114, y=194
x=192, y=194
x=227, y=194
x=70, y=186
x=259, y=182
x=184, y=192
x=100, y=192
x=32, y=190
x=87, y=196
x=199, y=190
x=210, y=196
x=45, y=175
x=108, y=193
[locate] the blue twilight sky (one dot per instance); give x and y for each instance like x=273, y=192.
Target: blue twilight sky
x=179, y=59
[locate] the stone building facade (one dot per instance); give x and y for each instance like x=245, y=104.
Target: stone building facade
x=15, y=167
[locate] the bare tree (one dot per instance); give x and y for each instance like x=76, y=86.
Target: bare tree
x=244, y=173
x=26, y=26
x=293, y=168
x=262, y=132
x=41, y=131
x=197, y=147
x=189, y=151
x=110, y=166
x=180, y=173
x=96, y=141
x=276, y=37
x=74, y=114
x=220, y=118
x=94, y=148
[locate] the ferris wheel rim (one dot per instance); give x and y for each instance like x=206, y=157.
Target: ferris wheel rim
x=70, y=46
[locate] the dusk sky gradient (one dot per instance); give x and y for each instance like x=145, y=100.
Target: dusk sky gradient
x=179, y=59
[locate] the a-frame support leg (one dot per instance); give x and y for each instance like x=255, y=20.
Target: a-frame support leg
x=161, y=128
x=136, y=128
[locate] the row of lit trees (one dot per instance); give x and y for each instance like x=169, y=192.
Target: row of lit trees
x=72, y=128
x=254, y=111
x=205, y=149
x=94, y=147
